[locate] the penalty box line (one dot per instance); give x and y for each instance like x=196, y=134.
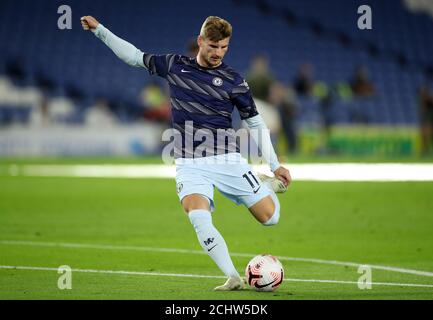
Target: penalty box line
x=157, y=274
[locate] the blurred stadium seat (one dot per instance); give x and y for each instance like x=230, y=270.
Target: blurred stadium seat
x=402, y=42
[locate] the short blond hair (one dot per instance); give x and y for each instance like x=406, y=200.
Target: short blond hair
x=215, y=29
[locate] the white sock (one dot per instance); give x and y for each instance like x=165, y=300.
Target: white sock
x=212, y=242
x=276, y=216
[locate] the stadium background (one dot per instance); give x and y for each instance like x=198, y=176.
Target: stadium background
x=65, y=73
x=66, y=99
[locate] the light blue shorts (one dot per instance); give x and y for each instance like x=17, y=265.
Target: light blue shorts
x=229, y=173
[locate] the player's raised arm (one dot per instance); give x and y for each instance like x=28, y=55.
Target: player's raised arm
x=123, y=49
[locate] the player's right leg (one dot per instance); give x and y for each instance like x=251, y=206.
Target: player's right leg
x=197, y=207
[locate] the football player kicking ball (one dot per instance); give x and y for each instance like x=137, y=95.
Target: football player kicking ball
x=204, y=91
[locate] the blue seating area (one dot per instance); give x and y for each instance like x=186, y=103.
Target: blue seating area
x=76, y=58
x=11, y=114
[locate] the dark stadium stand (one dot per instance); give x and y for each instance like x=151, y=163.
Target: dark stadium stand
x=397, y=52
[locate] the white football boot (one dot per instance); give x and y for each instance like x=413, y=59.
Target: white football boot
x=276, y=184
x=232, y=283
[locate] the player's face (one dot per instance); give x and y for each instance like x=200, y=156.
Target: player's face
x=211, y=53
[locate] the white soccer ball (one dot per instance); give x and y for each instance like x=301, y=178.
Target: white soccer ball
x=264, y=273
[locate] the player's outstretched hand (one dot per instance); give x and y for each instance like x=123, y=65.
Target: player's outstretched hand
x=89, y=23
x=284, y=175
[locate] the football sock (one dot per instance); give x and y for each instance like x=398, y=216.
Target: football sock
x=276, y=216
x=211, y=241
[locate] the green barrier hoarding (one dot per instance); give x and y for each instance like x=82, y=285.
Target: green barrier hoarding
x=359, y=140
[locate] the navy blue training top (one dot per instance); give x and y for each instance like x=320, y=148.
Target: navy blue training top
x=202, y=98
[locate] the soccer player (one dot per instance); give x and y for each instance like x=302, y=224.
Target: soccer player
x=204, y=92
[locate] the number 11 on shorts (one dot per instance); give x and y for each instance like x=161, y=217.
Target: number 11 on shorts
x=254, y=185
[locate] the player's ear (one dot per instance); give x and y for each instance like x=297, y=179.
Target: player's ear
x=199, y=40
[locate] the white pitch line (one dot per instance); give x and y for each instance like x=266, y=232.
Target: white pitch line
x=158, y=274
x=137, y=273
x=299, y=172
x=247, y=255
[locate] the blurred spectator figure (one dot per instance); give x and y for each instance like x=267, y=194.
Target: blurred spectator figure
x=304, y=80
x=426, y=119
x=259, y=77
x=343, y=90
x=284, y=98
x=326, y=101
x=100, y=115
x=41, y=117
x=51, y=111
x=361, y=84
x=192, y=49
x=362, y=89
x=156, y=102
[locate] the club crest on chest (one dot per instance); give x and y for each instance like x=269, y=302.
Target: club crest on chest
x=217, y=81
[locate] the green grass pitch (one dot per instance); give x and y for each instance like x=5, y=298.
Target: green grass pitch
x=387, y=224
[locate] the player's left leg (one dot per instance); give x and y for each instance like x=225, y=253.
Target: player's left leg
x=267, y=210
x=242, y=185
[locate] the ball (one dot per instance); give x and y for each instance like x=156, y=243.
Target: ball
x=264, y=273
